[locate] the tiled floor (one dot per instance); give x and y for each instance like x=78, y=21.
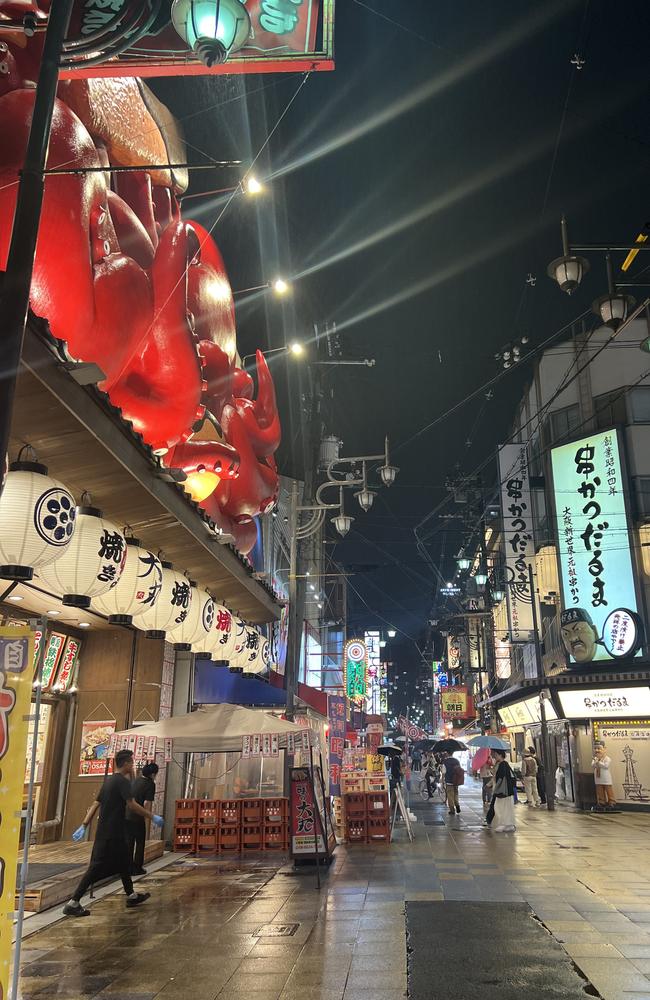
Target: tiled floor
x=204, y=933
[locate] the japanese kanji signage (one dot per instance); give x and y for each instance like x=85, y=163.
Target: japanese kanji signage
x=600, y=619
x=67, y=664
x=260, y=745
x=454, y=703
x=604, y=703
x=306, y=825
x=51, y=657
x=16, y=657
x=336, y=715
x=356, y=671
x=518, y=539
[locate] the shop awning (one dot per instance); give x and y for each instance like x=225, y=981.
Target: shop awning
x=216, y=730
x=88, y=446
x=216, y=685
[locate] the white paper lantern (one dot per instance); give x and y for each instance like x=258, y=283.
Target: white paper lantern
x=37, y=520
x=221, y=639
x=238, y=657
x=158, y=619
x=91, y=563
x=250, y=652
x=138, y=587
x=202, y=639
x=183, y=625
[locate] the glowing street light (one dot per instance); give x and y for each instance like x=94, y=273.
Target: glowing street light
x=213, y=29
x=296, y=348
x=280, y=286
x=252, y=186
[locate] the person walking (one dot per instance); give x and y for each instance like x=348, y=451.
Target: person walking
x=502, y=808
x=416, y=759
x=454, y=776
x=486, y=774
x=529, y=769
x=144, y=792
x=601, y=764
x=110, y=853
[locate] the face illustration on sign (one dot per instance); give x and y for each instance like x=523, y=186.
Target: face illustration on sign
x=621, y=634
x=600, y=618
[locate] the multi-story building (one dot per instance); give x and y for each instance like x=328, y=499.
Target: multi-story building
x=583, y=425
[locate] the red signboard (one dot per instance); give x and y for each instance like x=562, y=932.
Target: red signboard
x=286, y=36
x=67, y=664
x=306, y=814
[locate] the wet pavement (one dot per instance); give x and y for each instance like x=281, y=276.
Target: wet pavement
x=217, y=928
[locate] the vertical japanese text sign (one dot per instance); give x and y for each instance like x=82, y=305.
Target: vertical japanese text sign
x=518, y=539
x=16, y=658
x=336, y=713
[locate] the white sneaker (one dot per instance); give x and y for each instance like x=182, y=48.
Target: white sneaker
x=501, y=829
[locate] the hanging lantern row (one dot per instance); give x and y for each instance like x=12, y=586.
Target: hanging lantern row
x=74, y=551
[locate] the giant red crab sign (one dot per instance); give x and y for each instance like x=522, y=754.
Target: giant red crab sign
x=128, y=284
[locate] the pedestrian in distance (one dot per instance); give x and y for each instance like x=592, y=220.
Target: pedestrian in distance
x=110, y=853
x=454, y=777
x=144, y=792
x=416, y=760
x=486, y=774
x=529, y=769
x=601, y=764
x=502, y=807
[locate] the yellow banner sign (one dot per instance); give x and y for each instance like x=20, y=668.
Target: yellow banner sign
x=16, y=659
x=453, y=702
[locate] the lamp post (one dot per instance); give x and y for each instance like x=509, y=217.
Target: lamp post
x=569, y=269
x=213, y=29
x=298, y=532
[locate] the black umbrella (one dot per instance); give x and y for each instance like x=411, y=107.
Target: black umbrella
x=448, y=746
x=389, y=750
x=424, y=745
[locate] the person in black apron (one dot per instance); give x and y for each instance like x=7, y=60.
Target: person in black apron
x=110, y=854
x=144, y=790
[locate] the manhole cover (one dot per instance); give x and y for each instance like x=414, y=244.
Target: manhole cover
x=276, y=930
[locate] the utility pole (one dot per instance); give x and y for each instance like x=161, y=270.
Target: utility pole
x=546, y=757
x=293, y=629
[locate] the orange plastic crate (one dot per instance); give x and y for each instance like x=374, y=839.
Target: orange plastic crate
x=229, y=838
x=185, y=838
x=377, y=805
x=275, y=810
x=251, y=838
x=207, y=840
x=186, y=811
x=357, y=831
x=276, y=838
x=378, y=830
x=209, y=812
x=251, y=811
x=230, y=812
x=355, y=805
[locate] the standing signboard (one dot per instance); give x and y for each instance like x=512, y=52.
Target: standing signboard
x=16, y=659
x=600, y=611
x=307, y=822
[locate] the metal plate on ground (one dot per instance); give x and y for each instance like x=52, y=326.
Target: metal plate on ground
x=276, y=930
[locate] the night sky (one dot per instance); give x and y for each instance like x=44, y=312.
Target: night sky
x=412, y=191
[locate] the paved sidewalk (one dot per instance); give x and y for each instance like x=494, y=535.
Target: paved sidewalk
x=216, y=928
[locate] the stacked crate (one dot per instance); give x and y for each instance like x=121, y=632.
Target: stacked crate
x=209, y=817
x=367, y=817
x=210, y=826
x=185, y=824
x=276, y=824
x=230, y=825
x=251, y=825
x=339, y=817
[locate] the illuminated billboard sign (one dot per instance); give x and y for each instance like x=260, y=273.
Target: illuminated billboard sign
x=356, y=670
x=599, y=619
x=518, y=539
x=603, y=703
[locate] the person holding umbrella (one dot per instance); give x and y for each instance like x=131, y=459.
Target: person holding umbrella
x=502, y=807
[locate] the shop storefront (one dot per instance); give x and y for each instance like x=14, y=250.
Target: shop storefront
x=524, y=725
x=620, y=718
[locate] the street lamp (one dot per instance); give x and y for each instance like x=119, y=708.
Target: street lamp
x=279, y=286
x=569, y=269
x=498, y=595
x=213, y=29
x=462, y=561
x=481, y=578
x=613, y=308
x=365, y=496
x=295, y=349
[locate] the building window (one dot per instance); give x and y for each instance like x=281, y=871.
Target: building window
x=643, y=495
x=610, y=409
x=565, y=422
x=640, y=405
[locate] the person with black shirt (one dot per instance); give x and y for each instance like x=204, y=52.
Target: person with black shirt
x=110, y=854
x=144, y=791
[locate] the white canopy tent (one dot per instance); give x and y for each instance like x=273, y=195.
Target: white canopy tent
x=216, y=729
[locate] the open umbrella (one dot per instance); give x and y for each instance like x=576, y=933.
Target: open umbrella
x=490, y=741
x=480, y=758
x=448, y=746
x=389, y=750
